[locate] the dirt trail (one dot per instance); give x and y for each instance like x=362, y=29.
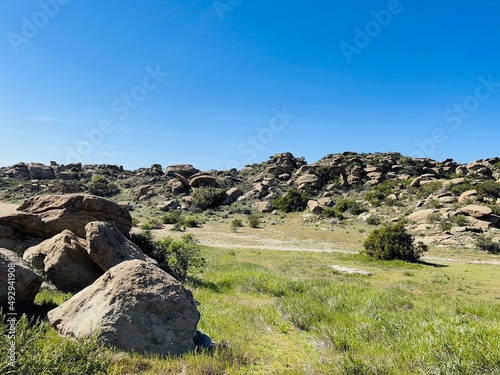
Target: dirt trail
x=215, y=237
x=7, y=208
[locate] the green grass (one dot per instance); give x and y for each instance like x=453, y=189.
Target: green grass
x=279, y=312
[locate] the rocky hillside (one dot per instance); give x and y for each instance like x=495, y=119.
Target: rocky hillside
x=445, y=203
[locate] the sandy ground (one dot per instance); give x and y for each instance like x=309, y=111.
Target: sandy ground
x=7, y=208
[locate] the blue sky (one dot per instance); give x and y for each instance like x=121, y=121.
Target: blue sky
x=227, y=83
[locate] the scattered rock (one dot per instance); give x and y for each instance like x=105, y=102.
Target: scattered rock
x=26, y=282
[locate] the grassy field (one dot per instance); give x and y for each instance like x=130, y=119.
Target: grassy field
x=280, y=312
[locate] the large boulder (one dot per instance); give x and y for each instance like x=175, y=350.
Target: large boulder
x=186, y=170
x=40, y=171
x=134, y=306
x=422, y=215
x=308, y=180
x=475, y=210
x=23, y=279
x=108, y=247
x=46, y=216
x=65, y=261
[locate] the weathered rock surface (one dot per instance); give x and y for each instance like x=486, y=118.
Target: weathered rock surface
x=46, y=216
x=186, y=170
x=134, y=306
x=27, y=282
x=65, y=261
x=421, y=215
x=476, y=210
x=107, y=247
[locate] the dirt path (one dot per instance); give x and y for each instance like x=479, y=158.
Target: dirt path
x=7, y=208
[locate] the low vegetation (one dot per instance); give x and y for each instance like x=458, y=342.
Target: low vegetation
x=393, y=242
x=293, y=200
x=277, y=312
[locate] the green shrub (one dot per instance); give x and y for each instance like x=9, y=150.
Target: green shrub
x=379, y=192
x=253, y=220
x=179, y=256
x=343, y=205
x=173, y=217
x=428, y=189
x=460, y=220
x=176, y=257
x=151, y=224
x=393, y=242
x=326, y=173
x=293, y=200
x=208, y=197
x=101, y=187
x=485, y=243
x=191, y=222
x=236, y=223
x=459, y=189
x=373, y=220
x=489, y=189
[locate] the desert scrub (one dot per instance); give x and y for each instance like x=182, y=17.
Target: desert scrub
x=293, y=200
x=175, y=256
x=486, y=243
x=208, y=197
x=393, y=242
x=236, y=223
x=254, y=220
x=150, y=224
x=100, y=186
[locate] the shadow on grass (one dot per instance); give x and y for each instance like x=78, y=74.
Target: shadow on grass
x=429, y=264
x=199, y=283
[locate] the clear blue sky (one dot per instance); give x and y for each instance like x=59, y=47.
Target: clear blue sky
x=213, y=84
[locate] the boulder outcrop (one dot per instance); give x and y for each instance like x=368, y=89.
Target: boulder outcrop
x=65, y=262
x=134, y=306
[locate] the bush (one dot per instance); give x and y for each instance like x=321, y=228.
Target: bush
x=173, y=217
x=353, y=207
x=373, y=220
x=151, y=224
x=459, y=189
x=379, y=193
x=293, y=200
x=393, y=242
x=253, y=221
x=485, y=243
x=179, y=256
x=208, y=197
x=460, y=220
x=191, y=222
x=489, y=189
x=101, y=187
x=176, y=257
x=428, y=189
x=236, y=223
